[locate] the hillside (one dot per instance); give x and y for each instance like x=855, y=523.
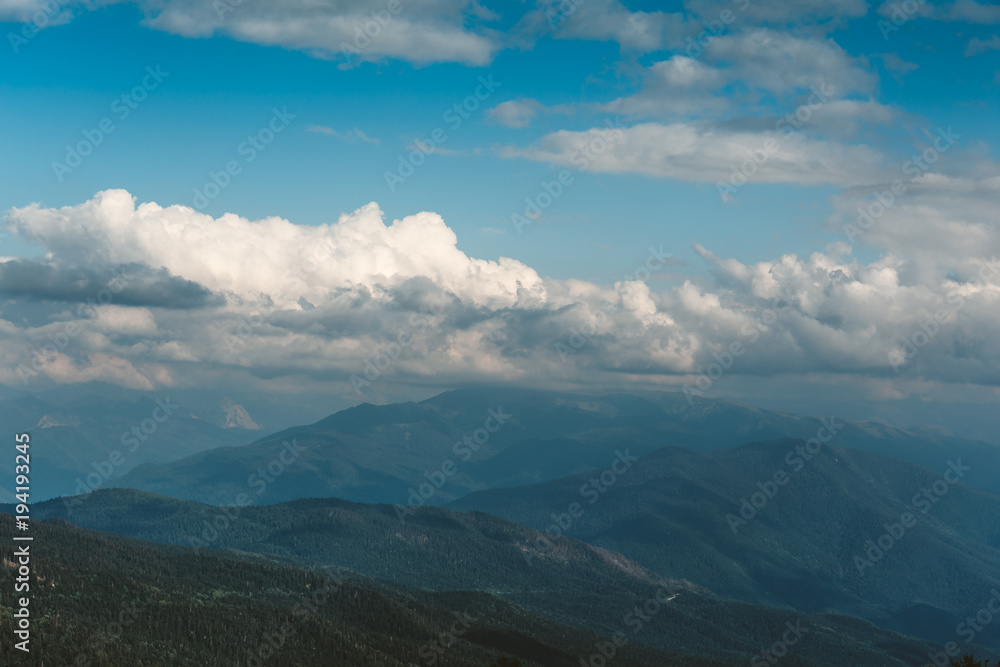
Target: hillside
x=108, y=600
x=678, y=513
x=473, y=439
x=74, y=444
x=441, y=550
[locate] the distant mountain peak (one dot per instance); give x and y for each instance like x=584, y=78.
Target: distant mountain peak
x=49, y=421
x=236, y=416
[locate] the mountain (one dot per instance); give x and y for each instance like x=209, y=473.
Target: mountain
x=82, y=444
x=467, y=440
x=105, y=599
x=227, y=413
x=434, y=549
x=773, y=523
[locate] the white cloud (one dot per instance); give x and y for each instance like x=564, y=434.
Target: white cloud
x=799, y=12
x=515, y=113
x=969, y=11
x=466, y=319
x=977, y=46
x=521, y=113
x=604, y=20
x=743, y=71
x=702, y=152
x=349, y=136
x=421, y=32
x=679, y=85
x=896, y=65
x=268, y=257
x=964, y=11
x=780, y=63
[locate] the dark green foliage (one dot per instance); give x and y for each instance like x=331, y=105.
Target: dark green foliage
x=669, y=514
x=572, y=583
x=104, y=600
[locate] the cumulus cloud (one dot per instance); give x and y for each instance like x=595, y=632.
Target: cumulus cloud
x=133, y=284
x=271, y=257
x=358, y=302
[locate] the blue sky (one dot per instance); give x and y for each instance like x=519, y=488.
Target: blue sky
x=685, y=123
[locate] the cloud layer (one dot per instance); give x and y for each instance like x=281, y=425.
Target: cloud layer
x=358, y=303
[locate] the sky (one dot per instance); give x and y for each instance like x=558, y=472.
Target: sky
x=786, y=203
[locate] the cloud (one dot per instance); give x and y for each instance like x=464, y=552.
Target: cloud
x=521, y=113
x=969, y=11
x=132, y=284
x=706, y=152
x=679, y=85
x=420, y=32
x=273, y=257
x=45, y=13
x=977, y=46
x=514, y=113
x=780, y=63
x=350, y=136
x=896, y=65
x=745, y=72
x=964, y=11
x=798, y=12
x=311, y=306
x=603, y=20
